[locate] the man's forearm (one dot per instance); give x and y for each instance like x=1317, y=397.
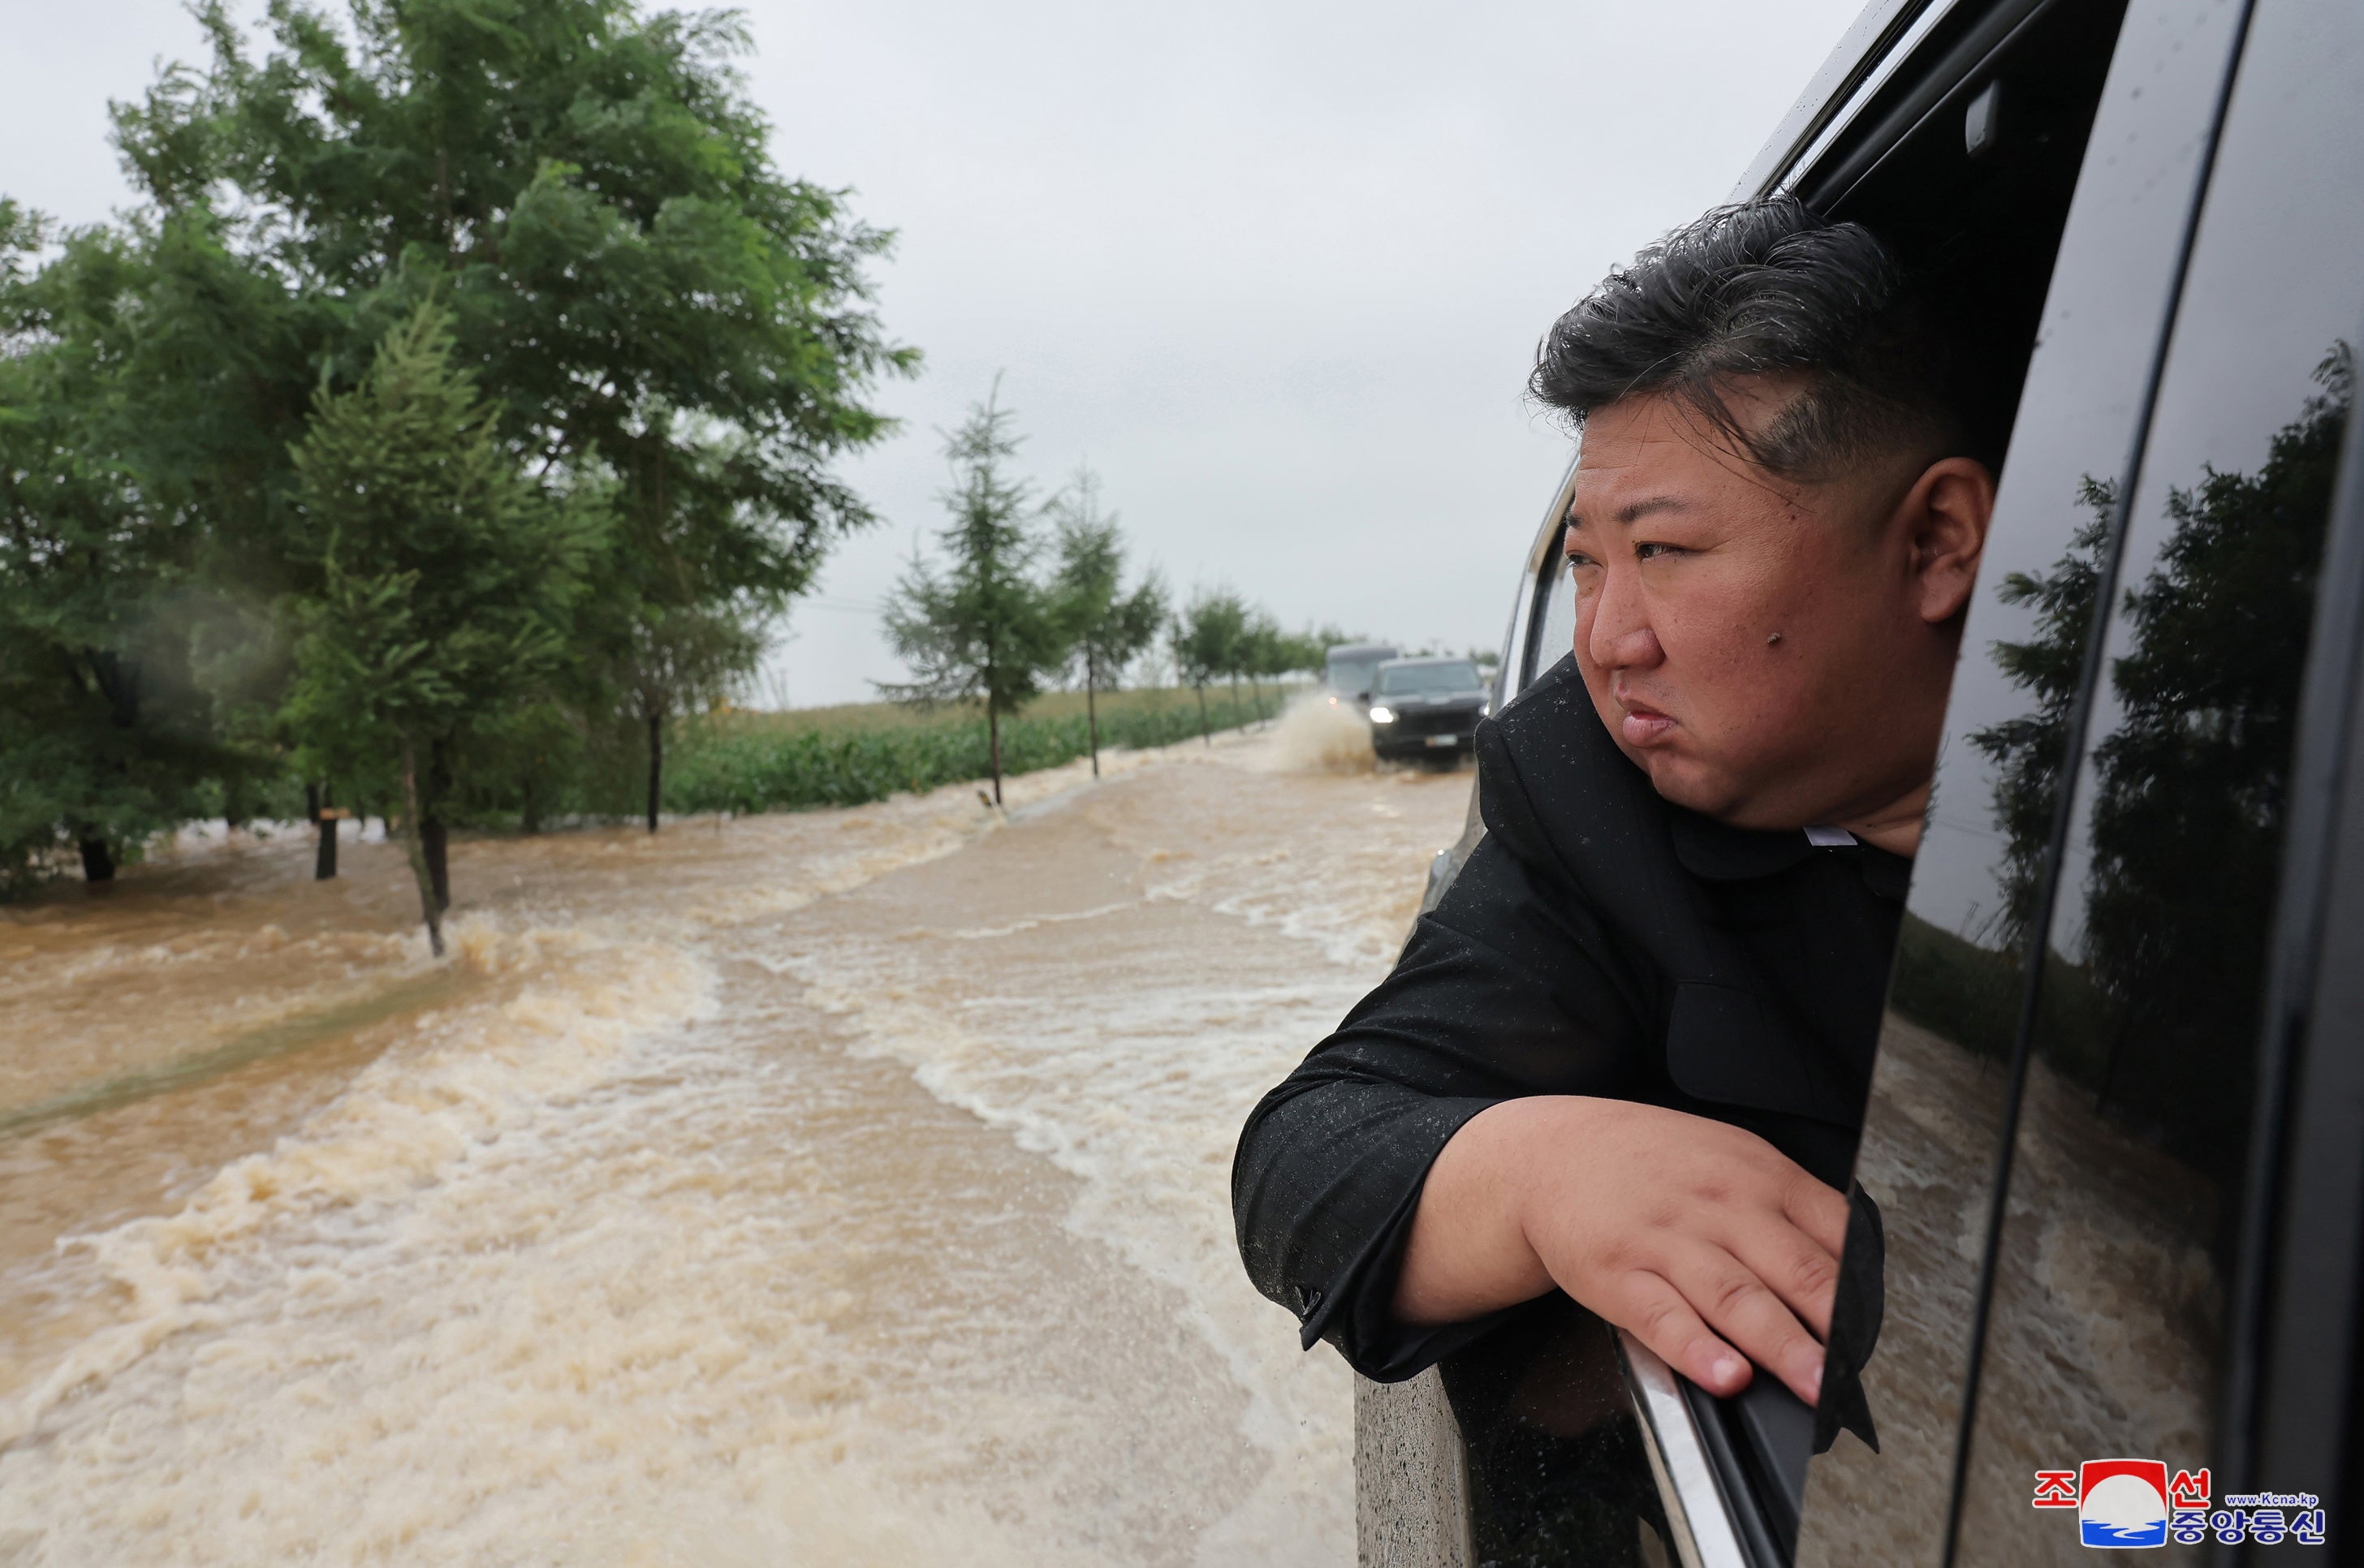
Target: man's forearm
x=1468, y=1254
x=1697, y=1236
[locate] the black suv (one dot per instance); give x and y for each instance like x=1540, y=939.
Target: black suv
x=2117, y=1123
x=1427, y=710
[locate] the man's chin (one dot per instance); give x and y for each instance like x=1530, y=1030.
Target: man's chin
x=1725, y=802
x=1682, y=781
x=1707, y=790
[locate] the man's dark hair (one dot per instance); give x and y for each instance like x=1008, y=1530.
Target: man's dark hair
x=1766, y=288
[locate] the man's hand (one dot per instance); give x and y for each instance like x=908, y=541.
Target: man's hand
x=1702, y=1240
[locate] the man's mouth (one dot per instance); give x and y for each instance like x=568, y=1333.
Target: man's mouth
x=1642, y=725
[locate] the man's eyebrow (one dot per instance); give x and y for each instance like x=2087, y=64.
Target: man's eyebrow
x=1635, y=511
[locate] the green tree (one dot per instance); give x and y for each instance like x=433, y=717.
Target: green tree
x=637, y=288
x=1269, y=654
x=1260, y=648
x=1105, y=628
x=446, y=577
x=109, y=731
x=679, y=657
x=2192, y=787
x=2189, y=782
x=982, y=629
x=1209, y=639
x=2029, y=750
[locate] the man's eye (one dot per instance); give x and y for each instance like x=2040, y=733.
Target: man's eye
x=1653, y=551
x=1578, y=561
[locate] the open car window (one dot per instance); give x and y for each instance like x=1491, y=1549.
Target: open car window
x=2114, y=1258
x=1555, y=1457
x=1941, y=1091
x=2042, y=168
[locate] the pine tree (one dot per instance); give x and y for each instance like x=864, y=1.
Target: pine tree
x=447, y=577
x=1106, y=627
x=982, y=629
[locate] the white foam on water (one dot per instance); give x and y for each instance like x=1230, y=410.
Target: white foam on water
x=359, y=1247
x=1113, y=1096
x=413, y=1115
x=1141, y=1092
x=621, y=1260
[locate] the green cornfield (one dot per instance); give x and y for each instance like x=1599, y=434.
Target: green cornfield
x=749, y=761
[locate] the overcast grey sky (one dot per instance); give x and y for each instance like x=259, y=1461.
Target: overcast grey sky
x=1276, y=270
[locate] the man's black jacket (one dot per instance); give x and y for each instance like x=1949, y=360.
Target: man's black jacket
x=1601, y=941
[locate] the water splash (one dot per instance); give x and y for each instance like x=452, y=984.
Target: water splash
x=1318, y=734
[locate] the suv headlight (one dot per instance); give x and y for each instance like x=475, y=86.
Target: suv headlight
x=1383, y=715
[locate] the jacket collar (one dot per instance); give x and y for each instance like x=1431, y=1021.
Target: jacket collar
x=1714, y=852
x=1717, y=852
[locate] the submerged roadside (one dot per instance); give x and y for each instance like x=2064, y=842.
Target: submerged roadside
x=825, y=1187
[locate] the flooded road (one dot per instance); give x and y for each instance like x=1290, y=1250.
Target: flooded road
x=839, y=1188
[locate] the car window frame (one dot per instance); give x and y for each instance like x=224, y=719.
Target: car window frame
x=2291, y=1387
x=1879, y=79
x=1863, y=103
x=2035, y=959
x=1537, y=581
x=1834, y=97
x=1890, y=105
x=1966, y=45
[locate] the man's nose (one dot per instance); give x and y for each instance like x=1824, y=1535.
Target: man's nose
x=1619, y=636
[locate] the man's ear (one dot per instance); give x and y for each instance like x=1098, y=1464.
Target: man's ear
x=1945, y=519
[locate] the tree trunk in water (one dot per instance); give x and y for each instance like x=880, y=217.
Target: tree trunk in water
x=413, y=830
x=1202, y=714
x=324, y=856
x=97, y=860
x=993, y=745
x=436, y=842
x=436, y=836
x=656, y=764
x=1092, y=715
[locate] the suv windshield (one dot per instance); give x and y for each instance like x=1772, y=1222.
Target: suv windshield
x=1430, y=680
x=1350, y=674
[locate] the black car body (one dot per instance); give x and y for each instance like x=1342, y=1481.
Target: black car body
x=2117, y=1124
x=1427, y=708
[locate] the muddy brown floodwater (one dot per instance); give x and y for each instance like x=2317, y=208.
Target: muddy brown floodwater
x=842, y=1188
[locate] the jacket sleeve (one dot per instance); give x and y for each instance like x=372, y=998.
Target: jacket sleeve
x=1508, y=987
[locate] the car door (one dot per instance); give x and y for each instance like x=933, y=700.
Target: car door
x=1943, y=1088
x=1896, y=153
x=2142, y=845
x=2037, y=1112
